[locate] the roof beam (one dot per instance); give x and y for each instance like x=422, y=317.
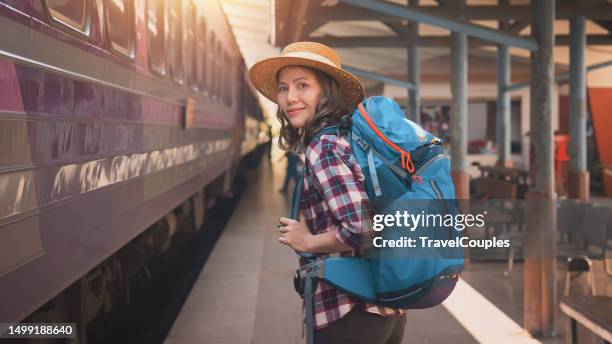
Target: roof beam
x=419, y=15
x=605, y=24
x=561, y=76
x=398, y=28
x=378, y=77
x=517, y=26
x=590, y=40
x=378, y=42
x=343, y=12
x=432, y=41
x=290, y=21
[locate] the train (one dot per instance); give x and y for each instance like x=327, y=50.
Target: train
x=121, y=123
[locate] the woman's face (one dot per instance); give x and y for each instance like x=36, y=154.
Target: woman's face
x=298, y=94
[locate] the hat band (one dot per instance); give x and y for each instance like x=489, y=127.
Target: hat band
x=311, y=56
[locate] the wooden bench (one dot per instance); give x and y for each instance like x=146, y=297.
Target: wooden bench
x=593, y=312
x=495, y=188
x=501, y=182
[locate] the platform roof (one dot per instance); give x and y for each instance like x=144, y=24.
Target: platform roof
x=376, y=42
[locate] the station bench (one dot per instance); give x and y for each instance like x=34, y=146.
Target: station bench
x=593, y=312
x=501, y=182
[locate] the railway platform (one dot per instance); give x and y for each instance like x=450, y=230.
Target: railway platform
x=244, y=293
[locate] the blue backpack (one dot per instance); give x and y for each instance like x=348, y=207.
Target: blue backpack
x=404, y=167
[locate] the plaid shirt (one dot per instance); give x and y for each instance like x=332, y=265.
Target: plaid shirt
x=333, y=197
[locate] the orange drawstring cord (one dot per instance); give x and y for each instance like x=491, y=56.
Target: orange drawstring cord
x=409, y=163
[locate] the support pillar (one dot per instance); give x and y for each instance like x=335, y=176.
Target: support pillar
x=578, y=175
x=458, y=120
x=540, y=285
x=414, y=72
x=502, y=120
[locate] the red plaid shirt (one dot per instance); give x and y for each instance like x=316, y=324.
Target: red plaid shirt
x=334, y=196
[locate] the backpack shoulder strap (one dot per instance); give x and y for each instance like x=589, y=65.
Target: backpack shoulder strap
x=333, y=129
x=310, y=285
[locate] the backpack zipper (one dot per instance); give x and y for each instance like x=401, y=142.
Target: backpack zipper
x=391, y=299
x=429, y=162
x=436, y=190
x=438, y=193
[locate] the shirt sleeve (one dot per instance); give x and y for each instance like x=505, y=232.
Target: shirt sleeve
x=334, y=175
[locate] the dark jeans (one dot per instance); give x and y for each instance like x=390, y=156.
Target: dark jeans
x=361, y=327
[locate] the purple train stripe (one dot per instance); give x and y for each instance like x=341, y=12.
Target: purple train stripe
x=52, y=94
x=36, y=188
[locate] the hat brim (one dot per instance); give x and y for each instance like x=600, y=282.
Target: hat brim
x=263, y=77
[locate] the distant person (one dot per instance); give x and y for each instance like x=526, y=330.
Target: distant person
x=312, y=93
x=291, y=171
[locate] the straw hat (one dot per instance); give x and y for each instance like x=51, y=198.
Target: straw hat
x=314, y=55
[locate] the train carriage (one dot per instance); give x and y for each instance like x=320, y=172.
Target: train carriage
x=112, y=114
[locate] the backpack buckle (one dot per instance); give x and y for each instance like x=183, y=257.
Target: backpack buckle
x=357, y=139
x=298, y=283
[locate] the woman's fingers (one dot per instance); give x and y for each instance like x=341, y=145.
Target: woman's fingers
x=289, y=230
x=286, y=221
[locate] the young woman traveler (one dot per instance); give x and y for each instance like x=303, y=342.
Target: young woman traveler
x=313, y=92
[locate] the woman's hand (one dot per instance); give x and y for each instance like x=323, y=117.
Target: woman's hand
x=295, y=234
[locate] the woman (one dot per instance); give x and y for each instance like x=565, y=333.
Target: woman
x=313, y=92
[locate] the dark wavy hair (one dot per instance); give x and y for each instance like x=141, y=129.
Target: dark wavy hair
x=329, y=111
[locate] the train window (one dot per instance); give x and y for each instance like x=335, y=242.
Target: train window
x=219, y=64
x=211, y=65
x=227, y=75
x=119, y=20
x=191, y=48
x=73, y=13
x=176, y=40
x=156, y=31
x=201, y=54
x=222, y=75
x=230, y=79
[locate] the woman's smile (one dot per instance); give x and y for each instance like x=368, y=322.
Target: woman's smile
x=294, y=112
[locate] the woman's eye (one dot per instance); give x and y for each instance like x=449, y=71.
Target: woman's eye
x=282, y=89
x=302, y=85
